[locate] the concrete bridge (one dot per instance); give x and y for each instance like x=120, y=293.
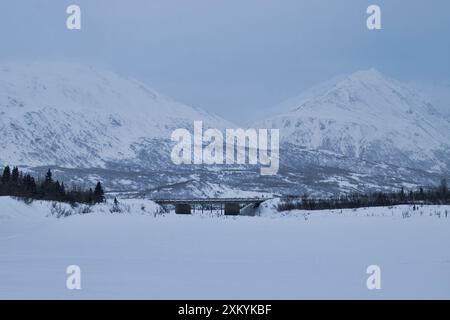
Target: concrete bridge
x=229, y=206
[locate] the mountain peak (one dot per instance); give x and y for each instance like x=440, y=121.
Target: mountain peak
x=369, y=75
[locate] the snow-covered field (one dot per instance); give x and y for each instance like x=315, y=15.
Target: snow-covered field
x=146, y=255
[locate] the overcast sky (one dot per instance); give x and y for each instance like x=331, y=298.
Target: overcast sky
x=234, y=57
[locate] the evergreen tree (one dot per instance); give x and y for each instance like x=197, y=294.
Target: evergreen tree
x=99, y=194
x=49, y=177
x=30, y=185
x=402, y=194
x=15, y=176
x=63, y=190
x=6, y=177
x=443, y=187
x=16, y=183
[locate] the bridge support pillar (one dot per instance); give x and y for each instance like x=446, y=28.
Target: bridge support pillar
x=232, y=209
x=183, y=209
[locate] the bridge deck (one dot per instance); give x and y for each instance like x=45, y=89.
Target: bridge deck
x=210, y=201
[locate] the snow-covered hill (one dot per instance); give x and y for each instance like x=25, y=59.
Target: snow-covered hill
x=76, y=116
x=366, y=116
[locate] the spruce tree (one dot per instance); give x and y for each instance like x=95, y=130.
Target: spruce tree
x=63, y=190
x=48, y=177
x=15, y=176
x=443, y=187
x=6, y=177
x=99, y=194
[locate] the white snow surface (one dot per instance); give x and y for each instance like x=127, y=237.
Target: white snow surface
x=294, y=255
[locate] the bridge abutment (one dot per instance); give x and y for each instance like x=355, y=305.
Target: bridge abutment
x=183, y=208
x=232, y=209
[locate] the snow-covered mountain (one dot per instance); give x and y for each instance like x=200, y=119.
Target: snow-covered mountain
x=366, y=116
x=354, y=133
x=70, y=115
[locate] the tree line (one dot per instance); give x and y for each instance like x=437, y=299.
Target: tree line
x=433, y=196
x=16, y=183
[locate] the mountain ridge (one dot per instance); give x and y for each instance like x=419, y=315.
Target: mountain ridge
x=368, y=116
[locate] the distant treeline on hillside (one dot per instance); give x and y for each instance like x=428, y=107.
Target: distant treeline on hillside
x=437, y=195
x=15, y=183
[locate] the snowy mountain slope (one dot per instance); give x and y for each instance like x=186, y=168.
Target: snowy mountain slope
x=76, y=116
x=367, y=116
x=437, y=93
